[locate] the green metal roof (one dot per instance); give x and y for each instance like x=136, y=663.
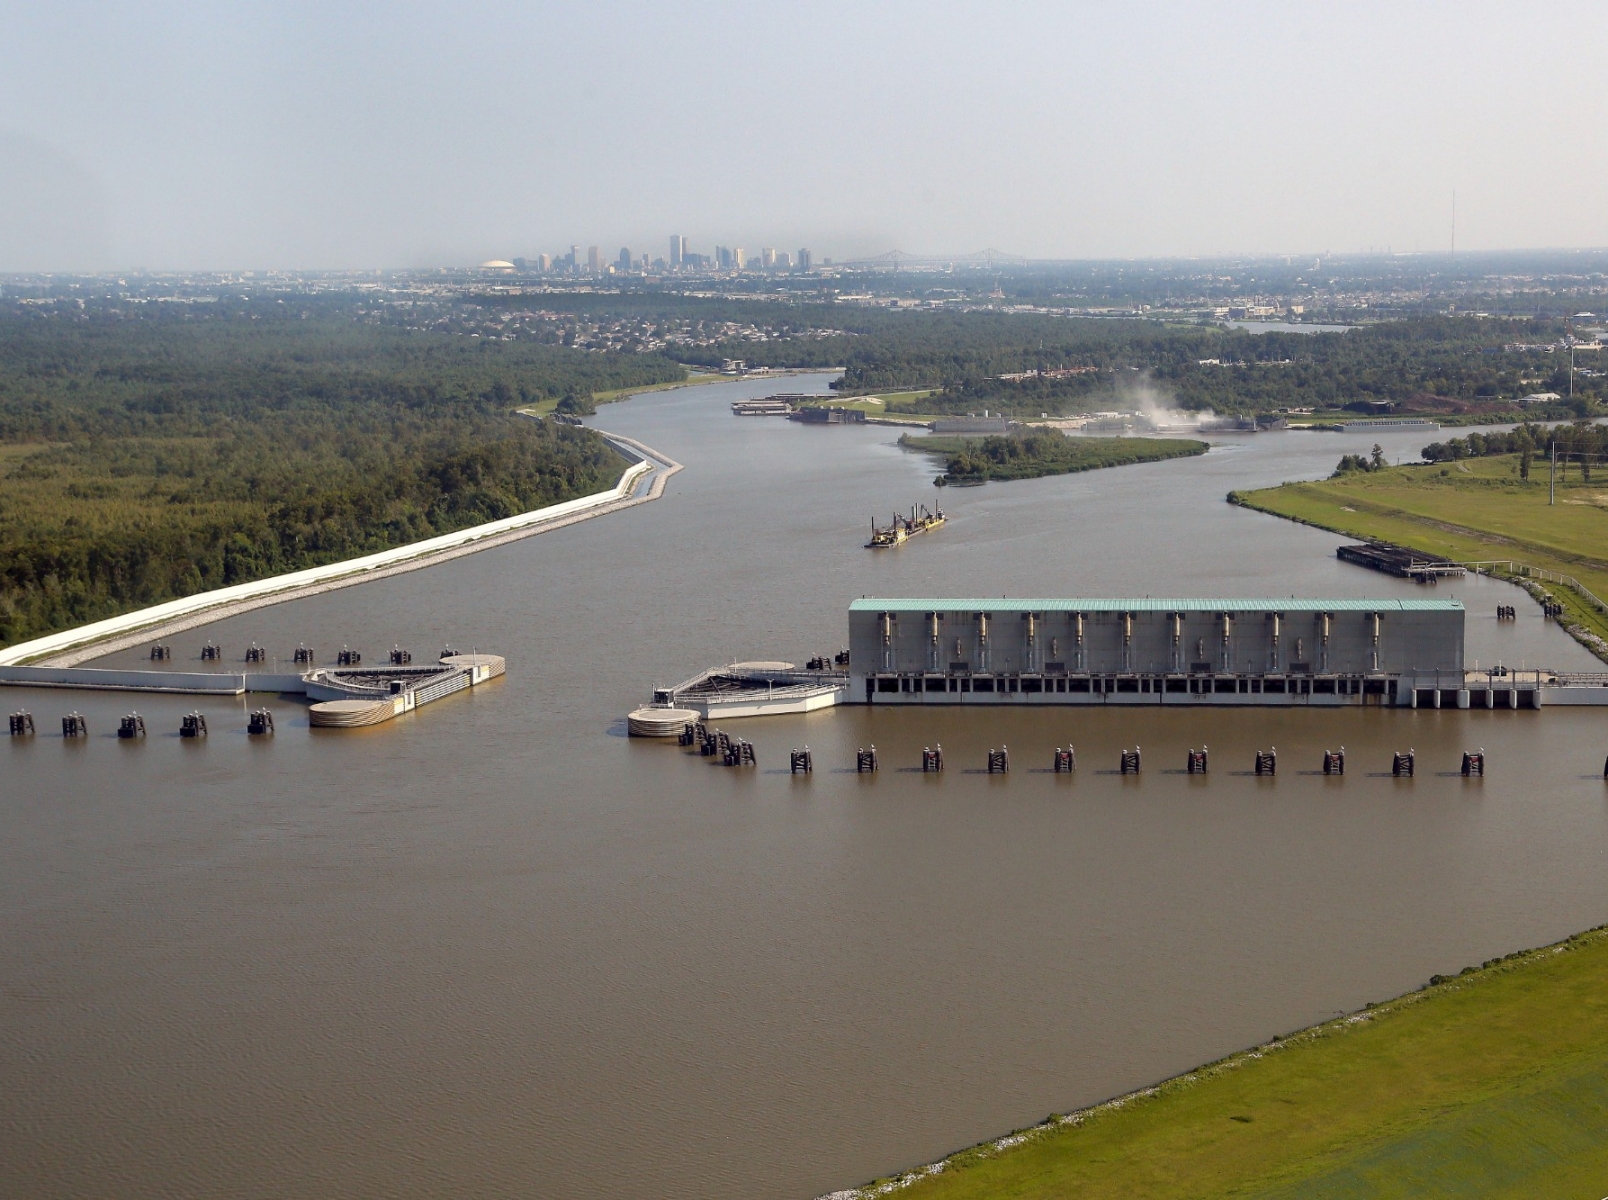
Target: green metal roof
x=1153, y=604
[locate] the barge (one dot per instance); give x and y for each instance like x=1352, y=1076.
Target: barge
x=1399, y=561
x=920, y=520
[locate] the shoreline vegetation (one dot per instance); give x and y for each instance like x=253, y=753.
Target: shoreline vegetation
x=972, y=460
x=1492, y=509
x=695, y=376
x=72, y=647
x=1490, y=1082
x=150, y=458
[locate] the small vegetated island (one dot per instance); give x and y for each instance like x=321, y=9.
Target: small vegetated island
x=1486, y=498
x=1030, y=455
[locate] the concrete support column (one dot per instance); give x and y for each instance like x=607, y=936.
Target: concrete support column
x=1462, y=698
x=1437, y=697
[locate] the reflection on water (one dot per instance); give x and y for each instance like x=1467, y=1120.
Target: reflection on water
x=491, y=949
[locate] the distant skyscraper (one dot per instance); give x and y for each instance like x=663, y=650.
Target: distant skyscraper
x=738, y=259
x=805, y=260
x=625, y=259
x=594, y=260
x=575, y=258
x=544, y=263
x=784, y=260
x=520, y=264
x=722, y=258
x=678, y=249
x=767, y=258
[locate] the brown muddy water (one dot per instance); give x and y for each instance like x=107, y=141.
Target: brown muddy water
x=497, y=949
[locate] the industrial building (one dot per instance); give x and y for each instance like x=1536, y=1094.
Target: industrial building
x=1158, y=651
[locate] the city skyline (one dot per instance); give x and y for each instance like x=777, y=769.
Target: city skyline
x=207, y=136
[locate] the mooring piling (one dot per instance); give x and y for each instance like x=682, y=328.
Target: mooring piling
x=1267, y=762
x=1065, y=760
x=260, y=722
x=131, y=726
x=1474, y=764
x=932, y=758
x=193, y=725
x=73, y=725
x=1334, y=761
x=999, y=761
x=1130, y=761
x=1402, y=764
x=22, y=723
x=1197, y=762
x=801, y=762
x=865, y=760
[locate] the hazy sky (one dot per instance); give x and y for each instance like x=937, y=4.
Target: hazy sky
x=341, y=135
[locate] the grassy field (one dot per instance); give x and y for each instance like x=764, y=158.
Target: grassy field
x=1471, y=510
x=1492, y=1083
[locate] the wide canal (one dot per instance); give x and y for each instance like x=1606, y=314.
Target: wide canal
x=496, y=948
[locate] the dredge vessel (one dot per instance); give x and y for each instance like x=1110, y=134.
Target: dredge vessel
x=920, y=520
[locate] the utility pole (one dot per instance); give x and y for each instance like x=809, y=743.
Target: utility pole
x=1568, y=333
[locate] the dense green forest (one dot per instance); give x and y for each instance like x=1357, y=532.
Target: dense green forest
x=1437, y=365
x=1451, y=366
x=148, y=458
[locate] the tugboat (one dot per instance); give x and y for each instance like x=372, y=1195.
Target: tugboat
x=920, y=520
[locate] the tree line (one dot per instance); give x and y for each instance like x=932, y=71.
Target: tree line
x=145, y=460
x=1582, y=443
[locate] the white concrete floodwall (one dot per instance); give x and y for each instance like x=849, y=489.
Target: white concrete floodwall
x=72, y=646
x=194, y=682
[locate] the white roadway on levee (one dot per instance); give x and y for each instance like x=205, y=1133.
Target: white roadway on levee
x=73, y=646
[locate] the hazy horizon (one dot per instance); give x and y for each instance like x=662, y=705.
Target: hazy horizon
x=199, y=136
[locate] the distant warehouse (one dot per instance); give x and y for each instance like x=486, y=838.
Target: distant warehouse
x=971, y=425
x=829, y=414
x=1147, y=651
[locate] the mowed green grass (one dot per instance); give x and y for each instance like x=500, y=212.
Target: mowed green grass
x=1478, y=509
x=1491, y=1084
x=883, y=404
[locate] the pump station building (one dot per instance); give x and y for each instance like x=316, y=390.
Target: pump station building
x=1157, y=651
